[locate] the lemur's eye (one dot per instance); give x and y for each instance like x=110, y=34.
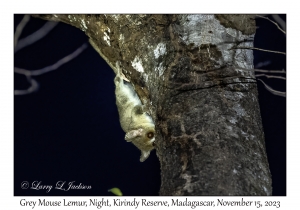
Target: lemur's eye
x=150, y=135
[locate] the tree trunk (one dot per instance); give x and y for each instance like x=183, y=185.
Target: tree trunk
x=200, y=90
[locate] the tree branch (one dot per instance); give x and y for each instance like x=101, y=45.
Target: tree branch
x=28, y=73
x=255, y=48
x=270, y=71
x=270, y=76
x=271, y=90
x=39, y=34
x=20, y=28
x=279, y=21
x=272, y=22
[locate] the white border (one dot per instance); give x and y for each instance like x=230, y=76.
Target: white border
x=8, y=8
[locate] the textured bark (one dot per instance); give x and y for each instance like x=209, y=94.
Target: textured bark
x=200, y=91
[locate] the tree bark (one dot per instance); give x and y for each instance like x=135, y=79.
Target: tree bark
x=200, y=90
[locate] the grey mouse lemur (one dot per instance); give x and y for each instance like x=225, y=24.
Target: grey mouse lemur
x=137, y=124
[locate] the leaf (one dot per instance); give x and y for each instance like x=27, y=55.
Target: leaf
x=116, y=191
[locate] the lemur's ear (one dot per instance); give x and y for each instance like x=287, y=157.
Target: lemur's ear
x=144, y=156
x=133, y=134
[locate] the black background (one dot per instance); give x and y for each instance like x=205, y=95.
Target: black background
x=69, y=129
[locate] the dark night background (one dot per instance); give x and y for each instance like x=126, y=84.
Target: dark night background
x=69, y=129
